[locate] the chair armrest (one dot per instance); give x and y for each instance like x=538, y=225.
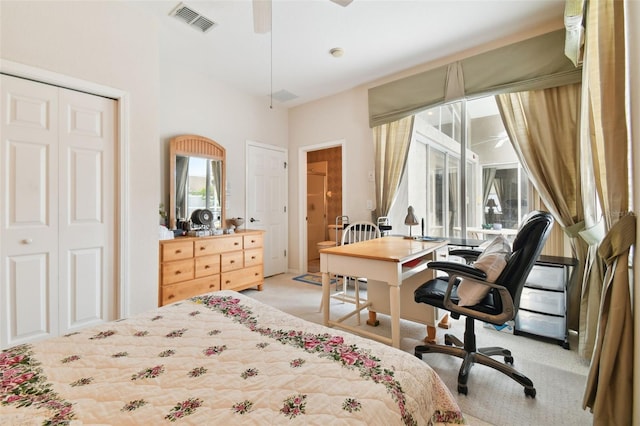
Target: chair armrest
x=508, y=308
x=458, y=269
x=469, y=255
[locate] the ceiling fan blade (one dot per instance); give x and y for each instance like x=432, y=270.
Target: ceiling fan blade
x=343, y=3
x=261, y=16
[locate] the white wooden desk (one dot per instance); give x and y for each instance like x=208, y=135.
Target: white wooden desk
x=388, y=259
x=507, y=232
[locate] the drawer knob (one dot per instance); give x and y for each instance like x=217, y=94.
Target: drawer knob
x=211, y=286
x=227, y=282
x=202, y=247
x=256, y=274
x=206, y=266
x=253, y=241
x=236, y=243
x=171, y=296
x=253, y=257
x=232, y=261
x=178, y=251
x=178, y=272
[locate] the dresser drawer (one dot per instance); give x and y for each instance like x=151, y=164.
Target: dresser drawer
x=175, y=292
x=207, y=265
x=205, y=247
x=179, y=270
x=241, y=278
x=253, y=257
x=546, y=277
x=252, y=241
x=177, y=250
x=546, y=302
x=225, y=243
x=541, y=324
x=231, y=261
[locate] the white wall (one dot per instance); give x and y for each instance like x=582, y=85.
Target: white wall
x=340, y=117
x=192, y=103
x=113, y=46
x=116, y=45
x=345, y=116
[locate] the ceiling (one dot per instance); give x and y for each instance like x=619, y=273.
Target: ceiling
x=379, y=38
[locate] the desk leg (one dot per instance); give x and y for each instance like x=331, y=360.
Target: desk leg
x=394, y=309
x=444, y=322
x=431, y=334
x=326, y=289
x=373, y=319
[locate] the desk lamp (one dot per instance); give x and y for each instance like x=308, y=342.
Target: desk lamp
x=410, y=220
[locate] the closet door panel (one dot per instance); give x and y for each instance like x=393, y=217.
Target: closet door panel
x=85, y=287
x=87, y=224
x=28, y=286
x=28, y=210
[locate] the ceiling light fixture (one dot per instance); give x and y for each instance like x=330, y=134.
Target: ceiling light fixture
x=337, y=52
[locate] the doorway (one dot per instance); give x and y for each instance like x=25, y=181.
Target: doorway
x=316, y=211
x=324, y=197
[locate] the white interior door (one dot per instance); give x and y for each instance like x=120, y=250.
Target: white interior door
x=86, y=191
x=56, y=220
x=29, y=211
x=267, y=203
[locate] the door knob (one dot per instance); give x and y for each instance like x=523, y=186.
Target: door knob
x=27, y=241
x=254, y=220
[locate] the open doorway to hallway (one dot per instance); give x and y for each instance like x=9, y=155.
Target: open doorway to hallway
x=324, y=199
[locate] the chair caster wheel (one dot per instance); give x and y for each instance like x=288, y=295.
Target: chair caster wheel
x=508, y=360
x=463, y=389
x=530, y=392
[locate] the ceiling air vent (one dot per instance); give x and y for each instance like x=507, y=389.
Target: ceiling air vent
x=193, y=18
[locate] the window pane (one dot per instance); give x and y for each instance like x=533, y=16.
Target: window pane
x=435, y=211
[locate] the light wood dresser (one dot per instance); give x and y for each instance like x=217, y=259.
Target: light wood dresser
x=190, y=266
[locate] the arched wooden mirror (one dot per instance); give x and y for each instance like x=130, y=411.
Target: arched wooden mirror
x=197, y=178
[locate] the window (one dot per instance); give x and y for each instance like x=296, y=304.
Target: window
x=493, y=189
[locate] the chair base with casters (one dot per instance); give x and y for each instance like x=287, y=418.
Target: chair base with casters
x=469, y=290
x=470, y=355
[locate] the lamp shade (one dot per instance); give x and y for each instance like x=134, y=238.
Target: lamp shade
x=411, y=218
x=491, y=203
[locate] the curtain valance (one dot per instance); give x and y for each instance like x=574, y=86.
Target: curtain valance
x=536, y=63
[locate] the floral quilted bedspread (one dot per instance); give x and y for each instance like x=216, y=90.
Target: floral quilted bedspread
x=222, y=358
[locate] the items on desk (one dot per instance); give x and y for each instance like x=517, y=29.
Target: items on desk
x=411, y=219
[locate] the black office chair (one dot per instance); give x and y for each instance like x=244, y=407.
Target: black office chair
x=497, y=307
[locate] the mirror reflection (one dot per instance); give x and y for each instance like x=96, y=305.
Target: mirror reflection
x=197, y=180
x=198, y=186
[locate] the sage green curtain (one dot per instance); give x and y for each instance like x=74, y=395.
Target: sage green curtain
x=609, y=391
x=532, y=64
x=543, y=129
x=391, y=147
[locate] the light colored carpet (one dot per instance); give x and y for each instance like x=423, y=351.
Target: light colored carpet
x=559, y=375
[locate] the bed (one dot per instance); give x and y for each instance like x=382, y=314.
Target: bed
x=220, y=358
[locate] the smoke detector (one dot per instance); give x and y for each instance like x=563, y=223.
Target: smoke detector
x=194, y=19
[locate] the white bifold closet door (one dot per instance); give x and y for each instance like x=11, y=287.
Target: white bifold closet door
x=57, y=226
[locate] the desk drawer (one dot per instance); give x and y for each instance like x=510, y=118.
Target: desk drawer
x=546, y=302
